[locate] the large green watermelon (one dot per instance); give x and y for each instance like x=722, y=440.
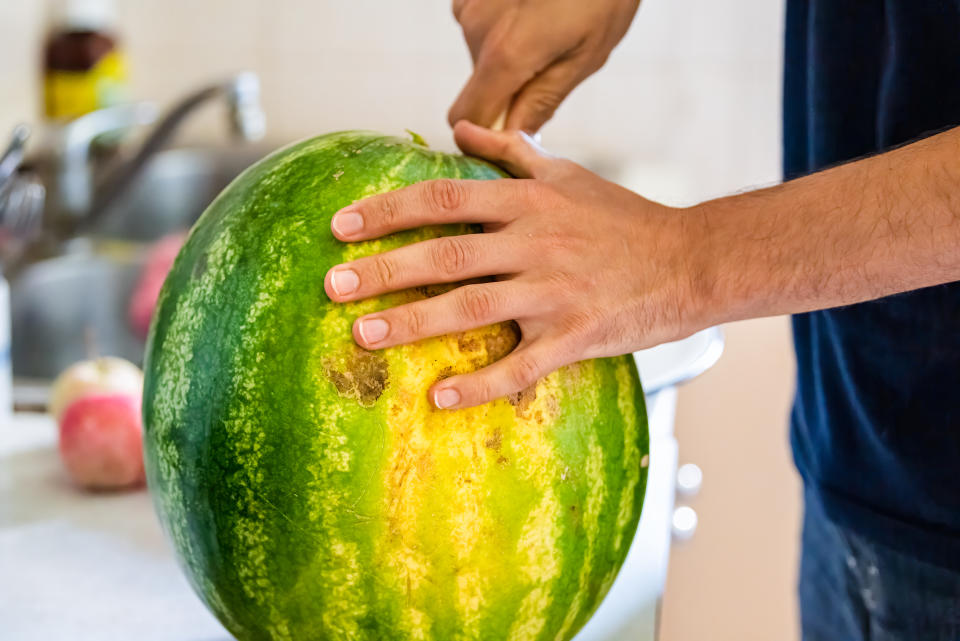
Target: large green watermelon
x=309, y=487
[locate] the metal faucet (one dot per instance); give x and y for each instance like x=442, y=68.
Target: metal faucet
x=81, y=202
x=22, y=197
x=73, y=177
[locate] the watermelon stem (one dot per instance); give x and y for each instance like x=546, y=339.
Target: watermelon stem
x=416, y=138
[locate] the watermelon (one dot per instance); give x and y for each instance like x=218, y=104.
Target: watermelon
x=309, y=487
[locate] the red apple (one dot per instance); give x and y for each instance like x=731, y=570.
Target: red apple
x=147, y=291
x=101, y=441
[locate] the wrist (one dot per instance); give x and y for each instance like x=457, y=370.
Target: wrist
x=720, y=287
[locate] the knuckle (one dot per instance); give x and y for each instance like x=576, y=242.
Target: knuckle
x=477, y=388
x=415, y=321
x=506, y=53
x=498, y=54
x=444, y=194
x=483, y=389
x=387, y=211
x=477, y=303
x=581, y=326
x=385, y=271
x=524, y=371
x=543, y=104
x=452, y=256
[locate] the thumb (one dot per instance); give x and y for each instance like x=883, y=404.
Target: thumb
x=514, y=150
x=535, y=102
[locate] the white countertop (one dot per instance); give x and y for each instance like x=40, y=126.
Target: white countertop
x=83, y=567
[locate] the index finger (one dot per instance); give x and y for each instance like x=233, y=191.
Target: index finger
x=431, y=202
x=499, y=73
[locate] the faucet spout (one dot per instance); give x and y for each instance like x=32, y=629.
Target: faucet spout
x=75, y=176
x=242, y=93
x=82, y=202
x=247, y=117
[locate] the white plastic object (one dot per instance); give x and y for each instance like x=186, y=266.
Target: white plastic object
x=684, y=523
x=689, y=479
x=670, y=364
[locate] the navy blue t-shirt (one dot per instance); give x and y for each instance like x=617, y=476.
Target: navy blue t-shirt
x=876, y=420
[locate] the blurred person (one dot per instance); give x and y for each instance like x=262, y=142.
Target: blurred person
x=865, y=255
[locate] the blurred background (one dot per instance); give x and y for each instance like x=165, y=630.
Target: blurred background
x=687, y=108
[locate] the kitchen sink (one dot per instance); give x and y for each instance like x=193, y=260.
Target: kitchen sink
x=171, y=193
x=74, y=306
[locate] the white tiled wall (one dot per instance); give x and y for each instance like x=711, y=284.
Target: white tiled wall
x=691, y=96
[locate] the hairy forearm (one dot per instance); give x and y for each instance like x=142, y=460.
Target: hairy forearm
x=870, y=228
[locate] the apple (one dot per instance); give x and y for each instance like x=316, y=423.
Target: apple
x=101, y=441
x=106, y=375
x=147, y=291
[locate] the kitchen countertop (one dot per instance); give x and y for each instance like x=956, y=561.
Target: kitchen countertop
x=95, y=567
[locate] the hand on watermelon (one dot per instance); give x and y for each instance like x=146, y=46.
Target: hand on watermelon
x=592, y=269
x=147, y=290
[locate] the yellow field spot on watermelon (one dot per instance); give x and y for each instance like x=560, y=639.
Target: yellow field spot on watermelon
x=443, y=459
x=626, y=388
x=407, y=469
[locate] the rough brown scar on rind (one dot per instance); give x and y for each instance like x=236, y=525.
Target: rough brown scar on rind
x=446, y=372
x=495, y=440
x=522, y=400
x=360, y=375
x=468, y=343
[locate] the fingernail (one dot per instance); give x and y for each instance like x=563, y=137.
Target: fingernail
x=445, y=398
x=373, y=330
x=344, y=281
x=347, y=223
